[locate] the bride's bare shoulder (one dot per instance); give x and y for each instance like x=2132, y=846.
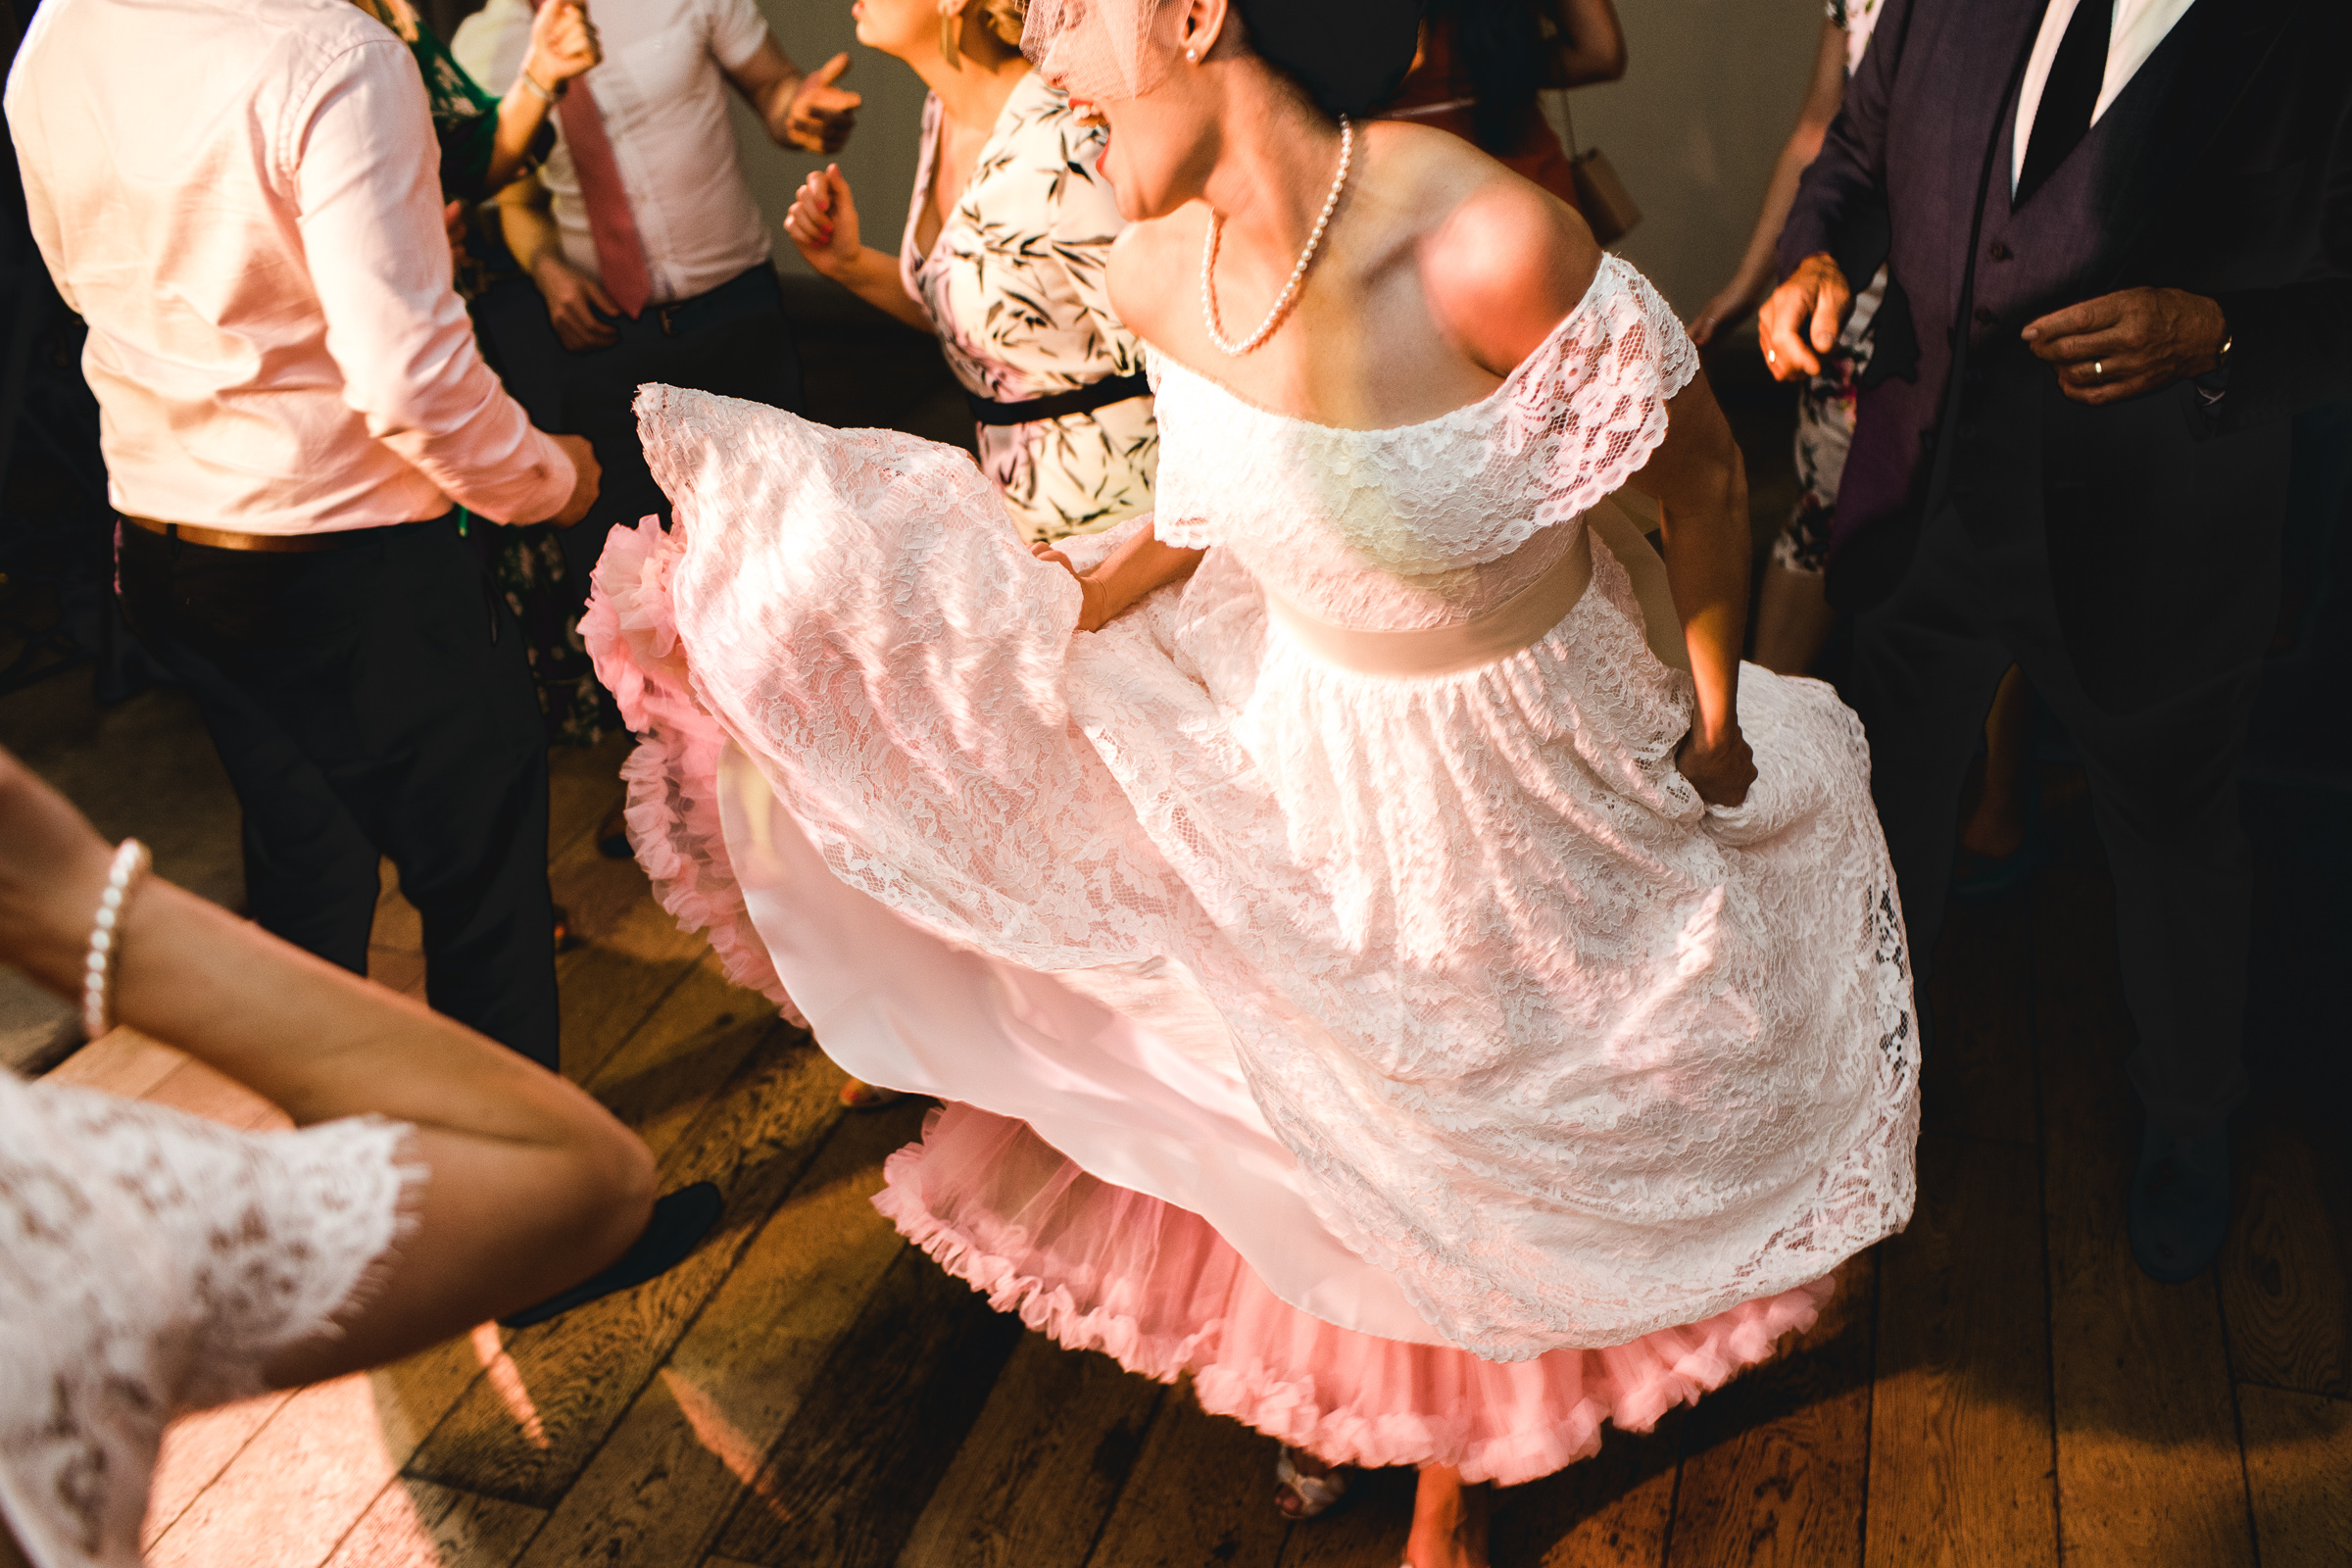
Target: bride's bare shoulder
x=1149, y=264
x=1500, y=259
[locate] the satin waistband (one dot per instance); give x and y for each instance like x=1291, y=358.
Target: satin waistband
x=1518, y=622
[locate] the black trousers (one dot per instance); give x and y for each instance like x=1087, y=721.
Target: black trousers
x=732, y=340
x=374, y=700
x=2163, y=782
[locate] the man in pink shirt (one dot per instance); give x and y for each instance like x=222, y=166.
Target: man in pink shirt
x=241, y=199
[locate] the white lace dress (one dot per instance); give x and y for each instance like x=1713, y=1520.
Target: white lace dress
x=1418, y=1063
x=152, y=1264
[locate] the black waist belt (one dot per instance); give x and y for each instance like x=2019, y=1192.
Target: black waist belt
x=1085, y=400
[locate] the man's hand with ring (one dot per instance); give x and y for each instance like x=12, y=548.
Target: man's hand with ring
x=2125, y=345
x=1799, y=322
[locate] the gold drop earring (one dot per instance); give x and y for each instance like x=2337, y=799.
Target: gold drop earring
x=948, y=32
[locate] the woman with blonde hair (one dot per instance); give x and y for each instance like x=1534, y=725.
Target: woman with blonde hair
x=1003, y=257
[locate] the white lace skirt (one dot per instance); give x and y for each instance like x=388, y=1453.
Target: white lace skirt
x=1445, y=1004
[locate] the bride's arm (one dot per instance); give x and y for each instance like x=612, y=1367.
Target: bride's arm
x=1130, y=572
x=1701, y=485
x=1499, y=273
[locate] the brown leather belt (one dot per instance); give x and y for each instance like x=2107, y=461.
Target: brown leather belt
x=282, y=544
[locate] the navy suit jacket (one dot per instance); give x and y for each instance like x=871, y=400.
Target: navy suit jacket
x=2161, y=512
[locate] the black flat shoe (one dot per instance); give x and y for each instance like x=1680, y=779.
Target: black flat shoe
x=680, y=1219
x=613, y=836
x=2179, y=1204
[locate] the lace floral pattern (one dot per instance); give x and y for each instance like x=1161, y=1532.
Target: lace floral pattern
x=1441, y=509
x=1570, y=1054
x=151, y=1264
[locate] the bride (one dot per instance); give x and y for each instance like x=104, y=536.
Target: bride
x=1383, y=956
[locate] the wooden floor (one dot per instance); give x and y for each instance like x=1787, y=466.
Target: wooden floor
x=806, y=1391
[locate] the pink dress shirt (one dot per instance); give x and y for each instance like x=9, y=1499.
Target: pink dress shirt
x=242, y=199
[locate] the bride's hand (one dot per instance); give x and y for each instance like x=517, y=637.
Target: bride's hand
x=1094, y=603
x=1721, y=773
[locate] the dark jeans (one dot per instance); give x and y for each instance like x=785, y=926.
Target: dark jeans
x=732, y=340
x=2163, y=783
x=374, y=700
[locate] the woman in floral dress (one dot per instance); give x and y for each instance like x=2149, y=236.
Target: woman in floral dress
x=1003, y=257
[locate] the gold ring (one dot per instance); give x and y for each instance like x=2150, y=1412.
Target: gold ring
x=2098, y=370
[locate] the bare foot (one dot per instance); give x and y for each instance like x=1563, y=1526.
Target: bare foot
x=1450, y=1521
x=859, y=1094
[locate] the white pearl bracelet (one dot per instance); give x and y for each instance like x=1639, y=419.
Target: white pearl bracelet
x=132, y=862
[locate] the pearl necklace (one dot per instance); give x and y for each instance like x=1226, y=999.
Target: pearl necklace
x=1289, y=290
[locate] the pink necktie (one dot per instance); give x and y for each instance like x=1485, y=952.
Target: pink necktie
x=619, y=248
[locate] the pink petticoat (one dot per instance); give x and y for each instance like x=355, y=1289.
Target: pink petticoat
x=1099, y=1267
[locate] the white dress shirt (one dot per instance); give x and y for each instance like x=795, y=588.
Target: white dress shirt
x=2139, y=26
x=662, y=92
x=242, y=197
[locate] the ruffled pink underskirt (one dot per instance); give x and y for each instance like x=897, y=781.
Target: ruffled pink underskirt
x=1099, y=1267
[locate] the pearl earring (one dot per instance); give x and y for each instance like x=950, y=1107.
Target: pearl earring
x=1194, y=55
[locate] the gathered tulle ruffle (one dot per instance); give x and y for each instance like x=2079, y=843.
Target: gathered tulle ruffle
x=1099, y=1267
x=672, y=813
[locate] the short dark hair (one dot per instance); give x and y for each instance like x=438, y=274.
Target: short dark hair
x=1349, y=55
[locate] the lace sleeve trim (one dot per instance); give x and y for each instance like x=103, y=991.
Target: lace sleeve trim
x=152, y=1263
x=1568, y=425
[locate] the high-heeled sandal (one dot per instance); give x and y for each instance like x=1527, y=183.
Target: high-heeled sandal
x=1316, y=1494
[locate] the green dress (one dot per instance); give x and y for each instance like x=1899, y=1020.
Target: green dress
x=527, y=563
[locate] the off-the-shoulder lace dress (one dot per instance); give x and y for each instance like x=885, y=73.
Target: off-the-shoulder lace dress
x=1417, y=1061
x=151, y=1264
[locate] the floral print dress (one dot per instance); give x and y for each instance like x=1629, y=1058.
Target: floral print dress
x=1015, y=286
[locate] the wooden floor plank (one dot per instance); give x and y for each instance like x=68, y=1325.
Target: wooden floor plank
x=1609, y=1511
x=415, y=1524
x=398, y=927
x=1977, y=1079
x=1961, y=1440
x=1201, y=1493
x=2148, y=1462
x=629, y=955
x=583, y=783
x=879, y=1427
x=659, y=1079
x=1776, y=1462
x=196, y=1449
x=2299, y=1464
x=396, y=970
x=1035, y=1477
x=309, y=1475
x=121, y=1062
x=675, y=1469
x=579, y=1373
x=2287, y=1274
x=201, y=1091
